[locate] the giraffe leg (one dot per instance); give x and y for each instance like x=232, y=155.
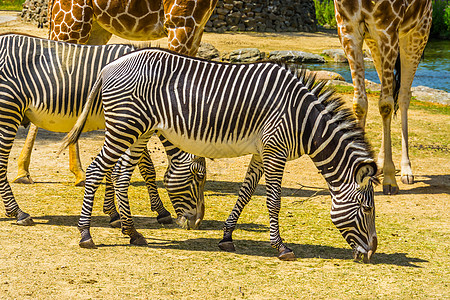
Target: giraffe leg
x=254, y=173
x=352, y=42
x=71, y=21
x=184, y=21
x=411, y=49
x=23, y=174
x=75, y=164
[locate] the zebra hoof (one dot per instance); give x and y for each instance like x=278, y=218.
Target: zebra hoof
x=138, y=240
x=24, y=180
x=164, y=218
x=287, y=255
x=28, y=221
x=227, y=246
x=24, y=219
x=408, y=179
x=390, y=189
x=114, y=221
x=88, y=244
x=80, y=183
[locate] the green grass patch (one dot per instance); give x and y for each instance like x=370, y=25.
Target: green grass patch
x=11, y=4
x=434, y=108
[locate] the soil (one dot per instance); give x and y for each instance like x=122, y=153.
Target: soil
x=45, y=261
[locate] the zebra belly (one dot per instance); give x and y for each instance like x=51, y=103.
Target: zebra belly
x=219, y=149
x=63, y=123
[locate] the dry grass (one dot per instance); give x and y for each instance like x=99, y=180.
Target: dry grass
x=45, y=262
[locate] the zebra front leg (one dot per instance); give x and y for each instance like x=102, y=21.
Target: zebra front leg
x=121, y=178
x=252, y=177
x=274, y=163
x=23, y=164
x=109, y=207
x=148, y=173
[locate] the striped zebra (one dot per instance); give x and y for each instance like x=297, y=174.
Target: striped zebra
x=47, y=82
x=218, y=110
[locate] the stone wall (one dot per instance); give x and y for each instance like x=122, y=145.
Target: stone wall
x=35, y=11
x=229, y=15
x=263, y=16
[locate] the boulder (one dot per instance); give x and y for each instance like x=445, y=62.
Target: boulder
x=244, y=55
x=208, y=51
x=287, y=56
x=338, y=55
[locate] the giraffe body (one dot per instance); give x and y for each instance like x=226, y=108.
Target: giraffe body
x=393, y=30
x=94, y=22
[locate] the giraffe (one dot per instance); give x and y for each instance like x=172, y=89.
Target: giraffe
x=93, y=22
x=396, y=32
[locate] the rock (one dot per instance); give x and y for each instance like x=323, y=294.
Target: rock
x=208, y=51
x=338, y=55
x=244, y=55
x=427, y=94
x=295, y=57
x=328, y=75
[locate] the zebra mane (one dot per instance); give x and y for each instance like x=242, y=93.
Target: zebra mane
x=334, y=105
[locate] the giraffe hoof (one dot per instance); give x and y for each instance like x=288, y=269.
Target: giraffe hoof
x=227, y=246
x=24, y=180
x=164, y=218
x=88, y=244
x=408, y=179
x=287, y=255
x=80, y=183
x=138, y=240
x=390, y=189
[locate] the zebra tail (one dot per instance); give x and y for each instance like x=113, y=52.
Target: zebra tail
x=397, y=78
x=74, y=134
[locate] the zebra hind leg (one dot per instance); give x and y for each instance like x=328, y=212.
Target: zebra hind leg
x=274, y=167
x=147, y=171
x=252, y=177
x=7, y=136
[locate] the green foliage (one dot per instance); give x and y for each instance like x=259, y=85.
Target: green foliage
x=441, y=19
x=325, y=13
x=11, y=4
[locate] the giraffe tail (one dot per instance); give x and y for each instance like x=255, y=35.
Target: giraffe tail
x=74, y=134
x=397, y=78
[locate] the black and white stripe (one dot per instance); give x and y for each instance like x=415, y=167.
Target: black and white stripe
x=47, y=83
x=219, y=110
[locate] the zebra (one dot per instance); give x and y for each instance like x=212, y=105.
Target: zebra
x=217, y=110
x=46, y=82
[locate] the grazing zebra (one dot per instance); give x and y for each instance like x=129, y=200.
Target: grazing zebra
x=47, y=82
x=218, y=110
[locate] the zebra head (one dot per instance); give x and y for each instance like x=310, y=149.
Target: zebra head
x=185, y=180
x=353, y=210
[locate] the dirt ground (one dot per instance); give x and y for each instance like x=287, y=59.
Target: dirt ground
x=45, y=262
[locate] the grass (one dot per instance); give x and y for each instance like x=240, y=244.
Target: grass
x=11, y=4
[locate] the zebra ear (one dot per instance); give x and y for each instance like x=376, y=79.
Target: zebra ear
x=365, y=171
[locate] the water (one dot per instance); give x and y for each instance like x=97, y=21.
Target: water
x=433, y=70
